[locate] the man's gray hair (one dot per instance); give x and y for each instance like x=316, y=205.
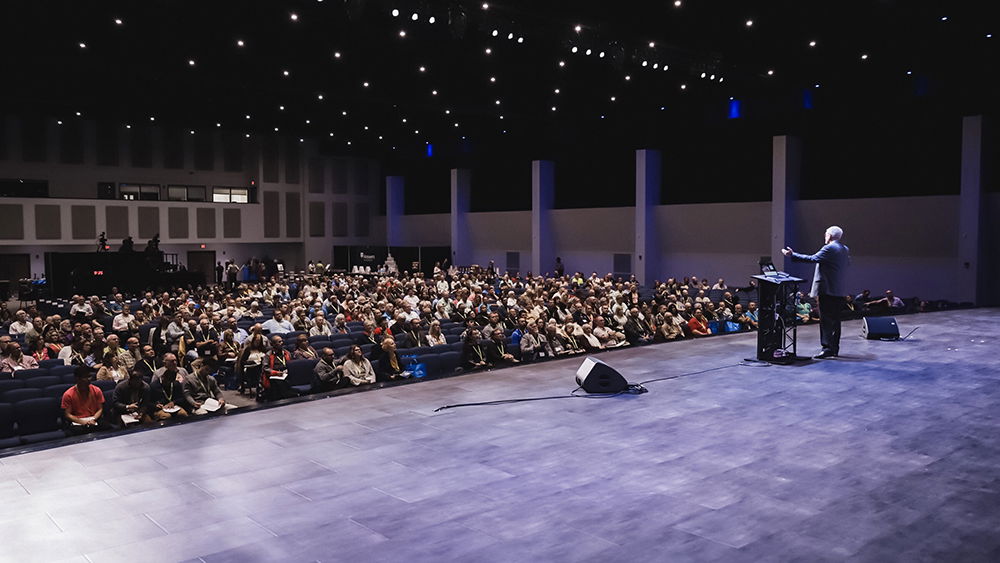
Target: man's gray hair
x=835, y=232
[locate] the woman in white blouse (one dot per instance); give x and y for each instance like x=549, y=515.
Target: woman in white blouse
x=357, y=368
x=434, y=336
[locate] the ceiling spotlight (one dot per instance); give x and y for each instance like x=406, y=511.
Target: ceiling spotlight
x=601, y=54
x=247, y=116
x=501, y=116
x=59, y=122
x=78, y=114
x=423, y=69
x=497, y=102
x=562, y=63
x=614, y=98
x=864, y=57
x=415, y=16
x=721, y=79
x=656, y=66
x=192, y=131
x=275, y=129
x=574, y=49
x=293, y=16
x=402, y=33
x=816, y=85
x=240, y=43
x=281, y=108
x=677, y=3
x=83, y=45
x=365, y=84
x=495, y=33
x=645, y=63
x=395, y=13
x=431, y=19
x=602, y=116
x=769, y=73
x=152, y=119
x=301, y=140
x=308, y=122
x=319, y=96
x=666, y=67
x=489, y=51
x=128, y=126
x=366, y=127
x=944, y=18
x=510, y=36
x=336, y=54
x=493, y=79
x=218, y=125
x=434, y=92
x=191, y=62
x=455, y=124
x=553, y=108
x=247, y=135
x=628, y=77
x=416, y=131
x=712, y=77
x=589, y=51
x=447, y=112
x=578, y=28
x=521, y=39
x=331, y=133
x=118, y=21
x=486, y=6
x=684, y=86
x=556, y=90
x=652, y=44
x=909, y=73
x=749, y=23
x=812, y=43
x=285, y=73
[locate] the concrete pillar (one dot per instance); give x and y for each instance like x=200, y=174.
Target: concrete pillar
x=461, y=193
x=543, y=190
x=646, y=259
x=970, y=244
x=394, y=210
x=786, y=168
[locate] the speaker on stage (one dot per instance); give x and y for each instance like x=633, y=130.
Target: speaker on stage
x=879, y=328
x=595, y=376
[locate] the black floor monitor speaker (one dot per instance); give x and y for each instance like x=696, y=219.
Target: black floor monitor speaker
x=879, y=328
x=595, y=376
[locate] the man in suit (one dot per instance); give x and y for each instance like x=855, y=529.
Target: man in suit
x=828, y=285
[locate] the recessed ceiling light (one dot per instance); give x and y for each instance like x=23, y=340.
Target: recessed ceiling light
x=495, y=33
x=191, y=62
x=83, y=45
x=864, y=57
x=431, y=19
x=574, y=49
x=78, y=114
x=489, y=51
x=293, y=16
x=281, y=108
x=652, y=44
x=395, y=13
x=493, y=79
x=749, y=23
x=218, y=125
x=510, y=36
x=423, y=69
x=434, y=92
x=677, y=3
x=336, y=54
x=812, y=43
x=683, y=86
x=59, y=122
x=365, y=84
x=118, y=21
x=769, y=73
x=562, y=63
x=519, y=40
x=415, y=16
x=614, y=98
x=240, y=43
x=152, y=119
x=285, y=73
x=628, y=77
x=578, y=28
x=486, y=6
x=402, y=33
x=557, y=90
x=319, y=96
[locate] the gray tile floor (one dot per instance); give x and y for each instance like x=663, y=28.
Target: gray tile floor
x=890, y=453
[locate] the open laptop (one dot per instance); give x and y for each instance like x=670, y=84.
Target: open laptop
x=767, y=267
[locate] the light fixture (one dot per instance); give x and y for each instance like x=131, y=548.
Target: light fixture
x=864, y=57
x=489, y=51
x=645, y=63
x=431, y=19
x=308, y=122
x=486, y=6
x=749, y=23
x=493, y=79
x=191, y=62
x=218, y=125
x=365, y=84
x=601, y=54
x=281, y=108
x=293, y=16
x=402, y=33
x=628, y=77
x=336, y=54
x=395, y=13
x=656, y=66
x=556, y=90
x=562, y=64
x=677, y=3
x=248, y=135
x=614, y=98
x=285, y=73
x=812, y=43
x=240, y=43
x=510, y=36
x=434, y=92
x=59, y=122
x=521, y=40
x=495, y=33
x=553, y=108
x=118, y=21
x=247, y=116
x=415, y=16
x=769, y=73
x=275, y=129
x=83, y=45
x=589, y=51
x=574, y=49
x=423, y=69
x=78, y=114
x=652, y=44
x=683, y=86
x=192, y=131
x=497, y=102
x=319, y=96
x=447, y=112
x=152, y=119
x=578, y=28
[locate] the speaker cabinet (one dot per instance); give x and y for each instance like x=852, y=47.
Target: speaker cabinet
x=595, y=376
x=879, y=328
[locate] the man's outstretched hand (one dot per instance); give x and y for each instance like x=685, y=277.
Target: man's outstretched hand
x=787, y=250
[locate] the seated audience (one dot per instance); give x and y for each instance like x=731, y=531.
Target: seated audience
x=131, y=397
x=357, y=369
x=390, y=364
x=83, y=404
x=16, y=360
x=199, y=386
x=167, y=390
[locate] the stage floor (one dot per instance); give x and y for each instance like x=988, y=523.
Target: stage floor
x=889, y=453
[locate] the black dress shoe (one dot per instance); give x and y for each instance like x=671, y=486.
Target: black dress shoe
x=825, y=354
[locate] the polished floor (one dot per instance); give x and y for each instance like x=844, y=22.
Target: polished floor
x=889, y=453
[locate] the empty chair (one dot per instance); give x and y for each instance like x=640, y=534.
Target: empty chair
x=38, y=419
x=452, y=338
x=62, y=370
x=43, y=381
x=56, y=390
x=320, y=344
x=339, y=351
x=8, y=384
x=29, y=373
x=18, y=395
x=105, y=385
x=8, y=438
x=450, y=361
x=432, y=364
x=317, y=338
x=48, y=364
x=300, y=375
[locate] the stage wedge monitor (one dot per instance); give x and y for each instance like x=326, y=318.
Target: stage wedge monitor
x=879, y=328
x=595, y=376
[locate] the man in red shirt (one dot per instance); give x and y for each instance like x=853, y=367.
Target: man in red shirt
x=83, y=404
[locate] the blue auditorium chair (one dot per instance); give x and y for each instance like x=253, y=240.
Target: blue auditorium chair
x=318, y=338
x=25, y=374
x=8, y=384
x=39, y=420
x=300, y=375
x=43, y=381
x=8, y=436
x=432, y=364
x=62, y=371
x=49, y=364
x=450, y=361
x=56, y=390
x=105, y=385
x=18, y=395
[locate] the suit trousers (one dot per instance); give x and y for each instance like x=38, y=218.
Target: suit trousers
x=830, y=307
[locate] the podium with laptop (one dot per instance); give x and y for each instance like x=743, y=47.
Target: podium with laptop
x=776, y=335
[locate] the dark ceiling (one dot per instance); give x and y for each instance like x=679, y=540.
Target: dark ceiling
x=867, y=55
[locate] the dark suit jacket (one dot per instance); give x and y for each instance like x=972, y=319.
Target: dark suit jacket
x=831, y=266
x=384, y=371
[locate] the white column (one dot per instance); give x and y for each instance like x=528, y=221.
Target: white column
x=646, y=258
x=542, y=199
x=393, y=210
x=786, y=164
x=970, y=247
x=461, y=192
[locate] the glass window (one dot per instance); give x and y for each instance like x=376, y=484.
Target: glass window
x=196, y=193
x=232, y=195
x=239, y=195
x=177, y=193
x=149, y=193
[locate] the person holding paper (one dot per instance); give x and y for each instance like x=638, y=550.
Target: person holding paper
x=202, y=390
x=167, y=390
x=132, y=400
x=83, y=404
